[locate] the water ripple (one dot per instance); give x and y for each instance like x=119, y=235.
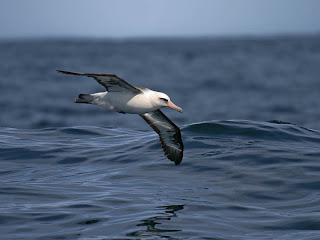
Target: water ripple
x=237, y=180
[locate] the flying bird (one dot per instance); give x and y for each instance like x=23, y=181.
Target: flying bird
x=122, y=97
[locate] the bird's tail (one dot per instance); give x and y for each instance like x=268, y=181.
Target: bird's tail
x=84, y=98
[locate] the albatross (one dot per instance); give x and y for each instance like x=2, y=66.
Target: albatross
x=122, y=97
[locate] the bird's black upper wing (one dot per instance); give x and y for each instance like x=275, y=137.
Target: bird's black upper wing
x=110, y=81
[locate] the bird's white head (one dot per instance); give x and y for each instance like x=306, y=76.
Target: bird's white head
x=163, y=100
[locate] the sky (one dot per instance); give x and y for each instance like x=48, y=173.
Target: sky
x=161, y=18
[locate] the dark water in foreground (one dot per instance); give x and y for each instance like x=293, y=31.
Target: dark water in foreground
x=71, y=171
x=238, y=180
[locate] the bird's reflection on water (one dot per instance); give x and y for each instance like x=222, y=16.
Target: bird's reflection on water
x=167, y=213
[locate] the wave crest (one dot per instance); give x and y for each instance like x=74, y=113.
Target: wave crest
x=272, y=130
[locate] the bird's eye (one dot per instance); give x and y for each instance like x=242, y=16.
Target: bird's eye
x=164, y=99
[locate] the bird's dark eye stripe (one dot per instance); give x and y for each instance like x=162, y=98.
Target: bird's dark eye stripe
x=166, y=100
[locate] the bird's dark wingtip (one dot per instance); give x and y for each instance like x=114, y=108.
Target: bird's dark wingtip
x=71, y=73
x=61, y=71
x=178, y=161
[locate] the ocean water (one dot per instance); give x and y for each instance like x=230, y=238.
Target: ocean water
x=250, y=127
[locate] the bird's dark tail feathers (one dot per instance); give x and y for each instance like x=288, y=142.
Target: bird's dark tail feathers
x=84, y=98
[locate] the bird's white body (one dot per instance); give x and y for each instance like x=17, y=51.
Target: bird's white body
x=127, y=102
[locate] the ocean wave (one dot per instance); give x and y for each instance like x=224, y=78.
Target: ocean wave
x=118, y=180
x=77, y=144
x=273, y=130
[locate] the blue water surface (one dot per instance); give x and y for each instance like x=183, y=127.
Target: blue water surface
x=250, y=127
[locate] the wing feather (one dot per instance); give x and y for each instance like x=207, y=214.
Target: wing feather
x=169, y=134
x=110, y=81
